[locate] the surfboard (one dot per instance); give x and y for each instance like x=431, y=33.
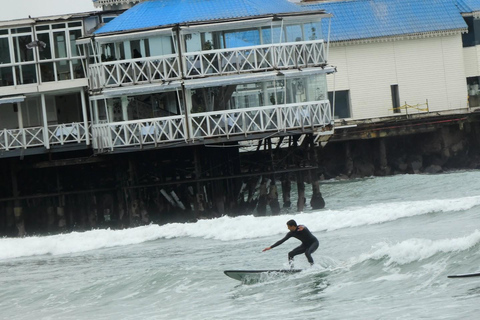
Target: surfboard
x=257, y=275
x=466, y=275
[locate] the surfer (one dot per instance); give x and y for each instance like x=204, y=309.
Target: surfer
x=309, y=241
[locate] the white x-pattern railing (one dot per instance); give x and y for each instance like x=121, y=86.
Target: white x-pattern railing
x=134, y=71
x=58, y=134
x=207, y=63
x=256, y=58
x=217, y=124
x=139, y=132
x=260, y=119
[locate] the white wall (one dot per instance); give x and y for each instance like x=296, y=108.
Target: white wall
x=428, y=68
x=471, y=57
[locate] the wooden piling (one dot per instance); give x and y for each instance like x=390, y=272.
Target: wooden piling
x=301, y=192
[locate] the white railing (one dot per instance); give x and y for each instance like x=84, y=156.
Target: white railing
x=34, y=136
x=256, y=58
x=134, y=71
x=207, y=63
x=67, y=133
x=261, y=119
x=205, y=125
x=139, y=132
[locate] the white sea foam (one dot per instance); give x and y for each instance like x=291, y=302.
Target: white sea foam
x=229, y=228
x=412, y=250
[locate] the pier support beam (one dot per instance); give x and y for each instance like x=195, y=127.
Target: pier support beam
x=301, y=192
x=382, y=158
x=273, y=198
x=17, y=206
x=262, y=198
x=317, y=201
x=286, y=189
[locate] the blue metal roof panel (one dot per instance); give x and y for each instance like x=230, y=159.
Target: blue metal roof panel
x=362, y=19
x=466, y=6
x=155, y=13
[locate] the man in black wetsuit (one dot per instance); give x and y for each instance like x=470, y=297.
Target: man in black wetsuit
x=309, y=242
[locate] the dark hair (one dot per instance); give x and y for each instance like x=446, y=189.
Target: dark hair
x=291, y=223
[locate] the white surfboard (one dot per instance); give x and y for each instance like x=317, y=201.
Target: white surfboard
x=257, y=275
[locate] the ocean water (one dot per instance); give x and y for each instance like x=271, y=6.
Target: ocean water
x=387, y=245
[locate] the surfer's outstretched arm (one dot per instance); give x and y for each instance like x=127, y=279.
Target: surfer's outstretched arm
x=279, y=242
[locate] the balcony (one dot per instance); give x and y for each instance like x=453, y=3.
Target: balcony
x=59, y=134
x=207, y=63
x=308, y=116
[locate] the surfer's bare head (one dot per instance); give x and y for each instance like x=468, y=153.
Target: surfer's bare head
x=291, y=225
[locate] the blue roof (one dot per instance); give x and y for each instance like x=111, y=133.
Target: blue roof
x=362, y=19
x=156, y=13
x=466, y=6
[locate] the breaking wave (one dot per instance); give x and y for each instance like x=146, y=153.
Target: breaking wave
x=249, y=227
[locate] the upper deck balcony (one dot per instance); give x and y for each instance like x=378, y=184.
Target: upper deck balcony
x=34, y=56
x=165, y=57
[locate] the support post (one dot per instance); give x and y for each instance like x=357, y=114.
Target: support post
x=301, y=192
x=286, y=189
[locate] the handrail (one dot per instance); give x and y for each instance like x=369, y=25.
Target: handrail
x=30, y=137
x=207, y=125
x=207, y=63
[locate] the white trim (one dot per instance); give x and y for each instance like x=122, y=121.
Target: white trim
x=398, y=37
x=12, y=99
x=101, y=39
x=143, y=89
x=227, y=80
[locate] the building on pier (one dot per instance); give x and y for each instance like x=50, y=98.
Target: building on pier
x=193, y=72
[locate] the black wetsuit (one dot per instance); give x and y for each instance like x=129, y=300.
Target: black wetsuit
x=308, y=246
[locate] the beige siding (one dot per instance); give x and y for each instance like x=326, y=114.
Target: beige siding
x=424, y=69
x=471, y=57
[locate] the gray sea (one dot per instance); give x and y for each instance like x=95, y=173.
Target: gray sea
x=387, y=245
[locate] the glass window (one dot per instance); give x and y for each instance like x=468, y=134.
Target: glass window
x=60, y=44
x=246, y=38
x=26, y=74
x=40, y=28
x=47, y=72
x=193, y=42
x=273, y=35
x=77, y=69
x=22, y=30
x=74, y=35
x=75, y=24
x=63, y=70
x=45, y=53
x=3, y=31
x=58, y=26
x=313, y=31
x=6, y=76
x=294, y=33
x=342, y=103
x=22, y=54
x=4, y=51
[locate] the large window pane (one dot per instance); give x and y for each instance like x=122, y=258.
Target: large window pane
x=47, y=72
x=60, y=44
x=273, y=35
x=26, y=74
x=63, y=70
x=78, y=69
x=22, y=54
x=4, y=51
x=313, y=31
x=74, y=35
x=294, y=33
x=6, y=76
x=245, y=38
x=45, y=53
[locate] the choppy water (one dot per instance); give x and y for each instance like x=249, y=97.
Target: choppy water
x=386, y=248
